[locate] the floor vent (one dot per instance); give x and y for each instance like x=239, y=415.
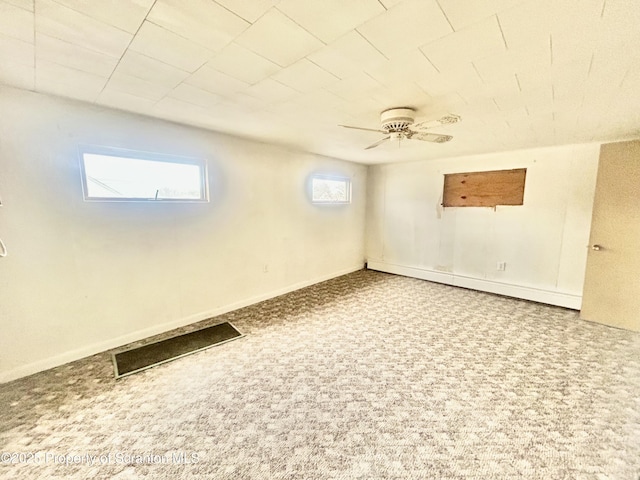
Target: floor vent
x=140, y=358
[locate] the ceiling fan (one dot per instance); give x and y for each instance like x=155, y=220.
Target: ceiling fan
x=397, y=123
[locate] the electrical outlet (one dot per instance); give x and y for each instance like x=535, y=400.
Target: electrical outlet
x=501, y=266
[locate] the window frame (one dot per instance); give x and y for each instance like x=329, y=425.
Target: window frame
x=118, y=152
x=342, y=178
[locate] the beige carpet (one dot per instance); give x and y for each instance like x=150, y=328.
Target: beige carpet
x=368, y=376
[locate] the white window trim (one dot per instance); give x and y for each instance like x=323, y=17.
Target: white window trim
x=143, y=155
x=335, y=178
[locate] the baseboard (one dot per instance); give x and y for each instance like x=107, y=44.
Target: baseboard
x=110, y=344
x=549, y=297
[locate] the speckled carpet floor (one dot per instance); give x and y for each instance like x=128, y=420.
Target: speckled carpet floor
x=369, y=376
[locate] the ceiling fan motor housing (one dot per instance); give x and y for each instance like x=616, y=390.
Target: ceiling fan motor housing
x=397, y=119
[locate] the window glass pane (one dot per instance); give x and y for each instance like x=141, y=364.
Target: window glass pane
x=330, y=190
x=120, y=178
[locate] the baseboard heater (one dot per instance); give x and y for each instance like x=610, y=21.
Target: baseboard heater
x=136, y=359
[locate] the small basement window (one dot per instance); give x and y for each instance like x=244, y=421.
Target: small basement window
x=113, y=174
x=328, y=189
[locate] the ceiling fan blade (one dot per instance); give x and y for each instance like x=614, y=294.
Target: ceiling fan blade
x=431, y=137
x=379, y=142
x=446, y=120
x=361, y=128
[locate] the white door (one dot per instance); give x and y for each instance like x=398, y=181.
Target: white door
x=611, y=292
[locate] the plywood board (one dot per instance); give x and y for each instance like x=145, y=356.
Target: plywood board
x=484, y=189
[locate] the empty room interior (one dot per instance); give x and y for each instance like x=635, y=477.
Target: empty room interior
x=320, y=239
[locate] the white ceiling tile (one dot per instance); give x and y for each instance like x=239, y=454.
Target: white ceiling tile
x=287, y=111
x=77, y=92
x=536, y=20
x=534, y=56
x=540, y=111
x=576, y=31
x=619, y=34
x=324, y=118
x=323, y=99
x=542, y=95
x=463, y=14
x=74, y=56
x=172, y=109
x=257, y=125
x=250, y=10
x=243, y=64
x=567, y=48
x=411, y=65
x=605, y=76
x=409, y=24
x=573, y=16
x=479, y=108
x=498, y=86
x=166, y=46
x=124, y=101
x=348, y=55
x=244, y=101
x=269, y=91
x=17, y=74
x=68, y=82
x=566, y=120
x=13, y=50
x=574, y=72
x=213, y=81
x=52, y=72
x=201, y=21
x=459, y=77
x=443, y=104
x=127, y=15
x=122, y=82
x=361, y=85
x=567, y=97
x=150, y=69
x=195, y=96
x=631, y=80
x=401, y=94
x=304, y=76
x=590, y=90
x=517, y=115
x=176, y=110
x=479, y=40
x=533, y=78
x=277, y=38
x=26, y=4
x=319, y=16
x=389, y=3
x=526, y=24
x=66, y=24
x=364, y=110
x=16, y=22
x=620, y=21
x=599, y=97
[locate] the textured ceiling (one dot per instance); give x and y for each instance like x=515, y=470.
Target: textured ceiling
x=521, y=74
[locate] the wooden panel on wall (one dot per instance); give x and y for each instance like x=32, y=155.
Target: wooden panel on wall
x=484, y=189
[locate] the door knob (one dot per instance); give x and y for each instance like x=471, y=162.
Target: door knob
x=597, y=247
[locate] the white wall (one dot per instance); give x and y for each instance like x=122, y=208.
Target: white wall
x=543, y=242
x=83, y=277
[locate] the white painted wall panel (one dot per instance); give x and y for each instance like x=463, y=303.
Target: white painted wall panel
x=82, y=277
x=542, y=242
